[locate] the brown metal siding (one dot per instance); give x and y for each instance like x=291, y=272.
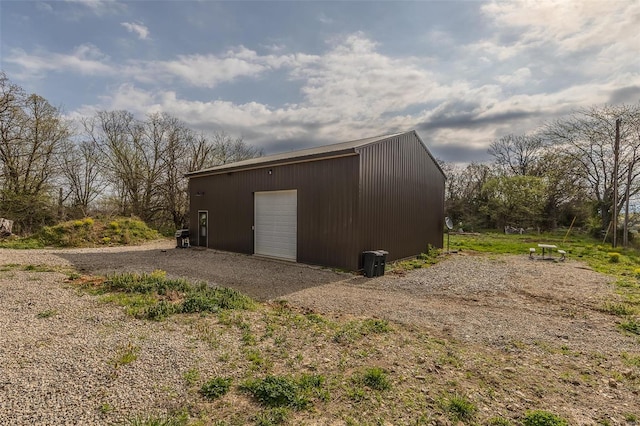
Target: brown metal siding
x=401, y=197
x=327, y=208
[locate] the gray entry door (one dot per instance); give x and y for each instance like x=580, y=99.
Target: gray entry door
x=203, y=228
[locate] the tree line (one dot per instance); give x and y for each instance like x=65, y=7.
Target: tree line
x=112, y=163
x=564, y=173
x=53, y=168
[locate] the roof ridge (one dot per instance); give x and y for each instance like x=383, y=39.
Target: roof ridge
x=306, y=152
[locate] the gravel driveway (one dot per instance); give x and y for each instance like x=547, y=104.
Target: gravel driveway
x=485, y=299
x=498, y=301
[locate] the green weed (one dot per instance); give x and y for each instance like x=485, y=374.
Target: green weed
x=630, y=359
x=272, y=416
x=355, y=330
x=215, y=388
x=191, y=376
x=155, y=297
x=460, y=408
x=47, y=314
x=498, y=421
x=543, y=418
x=376, y=378
x=285, y=391
x=180, y=419
x=125, y=355
x=631, y=325
x=619, y=309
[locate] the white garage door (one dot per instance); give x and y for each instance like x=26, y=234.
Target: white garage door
x=276, y=224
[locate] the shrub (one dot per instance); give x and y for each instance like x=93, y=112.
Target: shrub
x=614, y=257
x=215, y=388
x=543, y=418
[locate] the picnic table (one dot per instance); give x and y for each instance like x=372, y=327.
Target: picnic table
x=548, y=247
x=547, y=251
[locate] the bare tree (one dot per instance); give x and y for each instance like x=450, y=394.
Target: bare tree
x=588, y=137
x=228, y=150
x=517, y=154
x=32, y=132
x=82, y=177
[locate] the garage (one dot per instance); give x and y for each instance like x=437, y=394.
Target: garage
x=276, y=224
x=325, y=205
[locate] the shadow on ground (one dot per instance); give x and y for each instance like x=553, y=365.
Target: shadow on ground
x=262, y=279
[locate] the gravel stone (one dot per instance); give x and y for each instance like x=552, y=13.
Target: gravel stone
x=59, y=347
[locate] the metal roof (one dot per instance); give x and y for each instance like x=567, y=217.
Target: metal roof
x=294, y=156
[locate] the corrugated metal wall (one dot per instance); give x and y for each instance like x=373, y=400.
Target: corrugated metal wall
x=388, y=196
x=401, y=197
x=327, y=208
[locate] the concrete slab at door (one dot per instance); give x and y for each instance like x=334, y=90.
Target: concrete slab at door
x=276, y=224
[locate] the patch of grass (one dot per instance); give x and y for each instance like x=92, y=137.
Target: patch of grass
x=272, y=416
x=614, y=257
x=125, y=355
x=355, y=330
x=543, y=418
x=631, y=325
x=631, y=360
x=179, y=419
x=215, y=388
x=376, y=378
x=47, y=313
x=423, y=260
x=285, y=391
x=37, y=268
x=498, y=421
x=106, y=408
x=21, y=243
x=619, y=309
x=191, y=376
x=460, y=408
x=155, y=297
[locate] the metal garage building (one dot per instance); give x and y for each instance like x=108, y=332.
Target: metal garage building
x=323, y=205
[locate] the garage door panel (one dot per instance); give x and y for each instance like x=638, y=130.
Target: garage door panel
x=276, y=224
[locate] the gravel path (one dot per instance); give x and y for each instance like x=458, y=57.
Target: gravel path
x=59, y=349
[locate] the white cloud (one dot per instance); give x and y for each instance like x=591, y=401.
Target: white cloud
x=100, y=7
x=564, y=29
x=85, y=59
x=519, y=77
x=137, y=28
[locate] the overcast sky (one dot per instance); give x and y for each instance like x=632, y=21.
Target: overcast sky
x=290, y=75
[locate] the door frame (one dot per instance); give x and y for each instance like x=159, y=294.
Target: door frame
x=206, y=242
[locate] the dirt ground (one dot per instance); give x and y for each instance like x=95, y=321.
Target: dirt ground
x=546, y=316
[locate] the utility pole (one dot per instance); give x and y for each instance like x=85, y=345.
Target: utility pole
x=625, y=236
x=616, y=149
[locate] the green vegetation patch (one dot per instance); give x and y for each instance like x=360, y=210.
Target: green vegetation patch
x=286, y=391
x=543, y=418
x=355, y=330
x=87, y=232
x=155, y=297
x=460, y=408
x=215, y=388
